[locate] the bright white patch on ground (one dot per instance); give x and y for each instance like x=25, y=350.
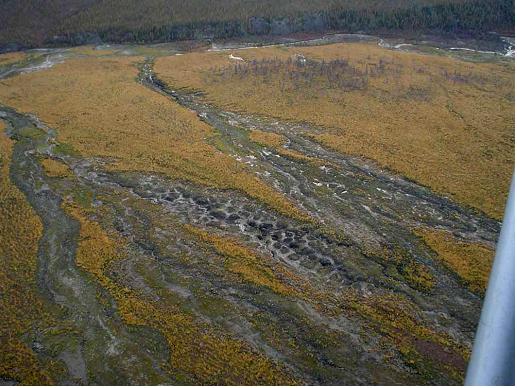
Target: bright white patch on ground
x=234, y=58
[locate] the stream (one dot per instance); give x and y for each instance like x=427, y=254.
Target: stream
x=373, y=210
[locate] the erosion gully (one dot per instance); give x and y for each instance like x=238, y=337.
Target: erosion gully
x=370, y=211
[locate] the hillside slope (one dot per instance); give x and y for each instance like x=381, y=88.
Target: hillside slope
x=31, y=23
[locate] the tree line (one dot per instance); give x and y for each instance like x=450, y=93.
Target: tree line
x=168, y=20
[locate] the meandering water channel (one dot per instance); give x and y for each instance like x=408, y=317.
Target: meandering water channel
x=372, y=210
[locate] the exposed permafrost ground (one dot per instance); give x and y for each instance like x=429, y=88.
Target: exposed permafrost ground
x=202, y=285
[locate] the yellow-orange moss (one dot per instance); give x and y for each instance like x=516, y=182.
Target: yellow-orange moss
x=198, y=352
x=277, y=142
x=428, y=117
x=20, y=305
x=55, y=168
x=9, y=58
x=470, y=261
x=416, y=274
x=419, y=276
x=397, y=319
x=212, y=359
x=243, y=261
x=269, y=139
x=95, y=248
x=100, y=109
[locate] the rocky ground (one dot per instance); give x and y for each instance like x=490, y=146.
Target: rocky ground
x=349, y=296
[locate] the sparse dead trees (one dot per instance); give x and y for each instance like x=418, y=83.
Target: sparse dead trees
x=457, y=77
x=298, y=72
x=300, y=60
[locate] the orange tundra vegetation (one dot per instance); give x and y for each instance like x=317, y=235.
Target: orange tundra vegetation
x=470, y=261
x=10, y=58
x=224, y=360
x=277, y=142
x=100, y=109
x=442, y=121
x=55, y=169
x=399, y=319
x=241, y=260
x=21, y=306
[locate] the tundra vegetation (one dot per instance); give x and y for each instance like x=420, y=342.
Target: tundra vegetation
x=305, y=215
x=278, y=143
x=385, y=105
x=155, y=134
x=22, y=307
x=471, y=262
x=10, y=58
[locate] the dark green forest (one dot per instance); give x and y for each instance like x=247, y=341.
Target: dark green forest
x=33, y=23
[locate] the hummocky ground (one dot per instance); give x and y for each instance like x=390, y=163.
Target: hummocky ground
x=317, y=212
